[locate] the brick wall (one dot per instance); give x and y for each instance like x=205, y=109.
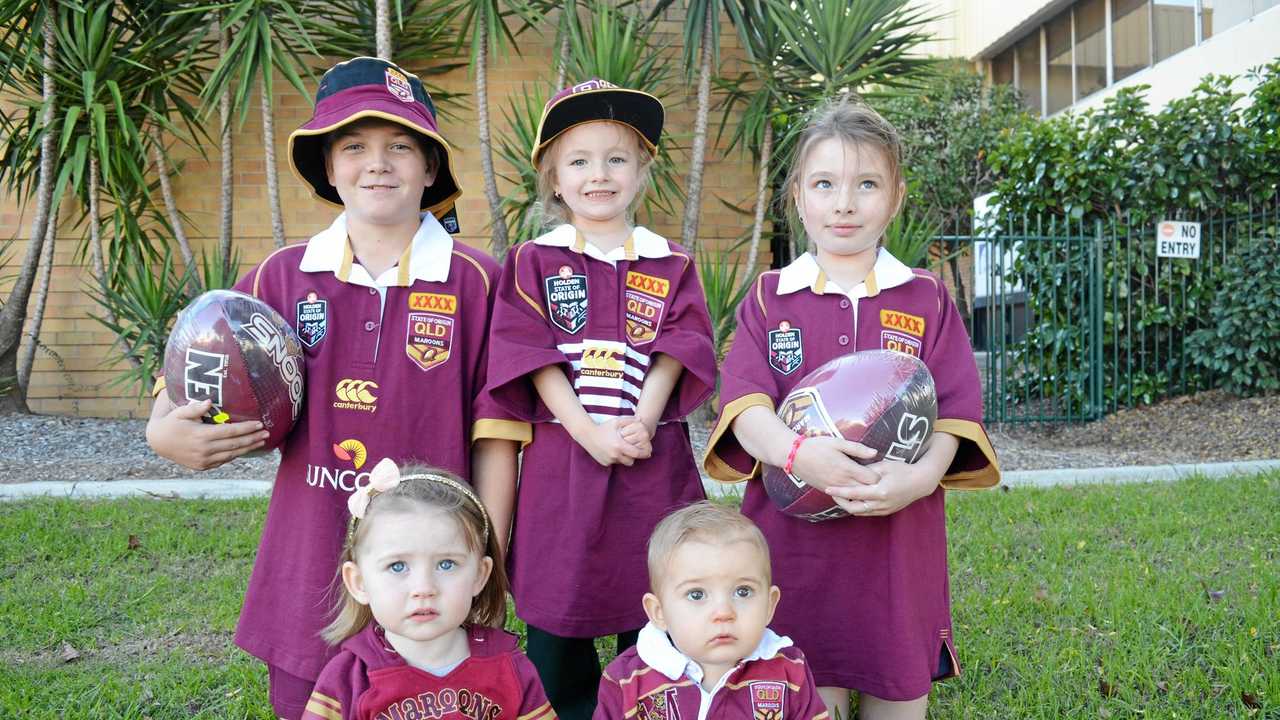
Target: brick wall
x=70, y=374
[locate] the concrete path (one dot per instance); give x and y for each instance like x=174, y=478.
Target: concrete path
x=226, y=489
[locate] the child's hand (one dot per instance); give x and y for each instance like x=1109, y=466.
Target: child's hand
x=826, y=462
x=177, y=434
x=638, y=434
x=900, y=485
x=607, y=446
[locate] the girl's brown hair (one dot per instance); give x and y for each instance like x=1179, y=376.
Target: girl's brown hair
x=551, y=210
x=420, y=488
x=853, y=121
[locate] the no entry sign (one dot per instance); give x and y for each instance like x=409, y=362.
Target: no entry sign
x=1178, y=239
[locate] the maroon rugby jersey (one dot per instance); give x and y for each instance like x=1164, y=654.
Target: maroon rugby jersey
x=650, y=682
x=399, y=376
x=601, y=318
x=368, y=680
x=888, y=628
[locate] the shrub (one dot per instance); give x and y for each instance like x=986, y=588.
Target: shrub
x=1241, y=343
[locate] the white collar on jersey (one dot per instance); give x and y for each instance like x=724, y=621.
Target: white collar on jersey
x=805, y=273
x=658, y=652
x=426, y=258
x=641, y=244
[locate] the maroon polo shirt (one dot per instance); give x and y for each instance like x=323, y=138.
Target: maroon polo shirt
x=399, y=377
x=773, y=685
x=866, y=597
x=577, y=559
x=368, y=680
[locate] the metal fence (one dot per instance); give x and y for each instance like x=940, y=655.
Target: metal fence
x=1072, y=320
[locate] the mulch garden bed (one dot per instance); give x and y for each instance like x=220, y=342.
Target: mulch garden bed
x=1207, y=427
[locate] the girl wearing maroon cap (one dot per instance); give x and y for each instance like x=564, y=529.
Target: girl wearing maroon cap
x=601, y=339
x=866, y=597
x=394, y=318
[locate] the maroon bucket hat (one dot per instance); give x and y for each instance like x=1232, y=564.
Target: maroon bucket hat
x=598, y=99
x=366, y=87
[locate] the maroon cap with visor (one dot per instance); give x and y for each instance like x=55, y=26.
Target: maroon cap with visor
x=595, y=100
x=366, y=87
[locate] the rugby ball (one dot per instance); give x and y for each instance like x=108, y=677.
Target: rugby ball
x=881, y=398
x=238, y=352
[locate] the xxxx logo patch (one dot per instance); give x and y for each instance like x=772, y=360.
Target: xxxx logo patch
x=428, y=339
x=313, y=319
x=644, y=316
x=902, y=322
x=567, y=300
x=656, y=286
x=786, y=352
x=767, y=698
x=433, y=302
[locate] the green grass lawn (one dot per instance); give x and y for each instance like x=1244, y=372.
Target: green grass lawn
x=1154, y=601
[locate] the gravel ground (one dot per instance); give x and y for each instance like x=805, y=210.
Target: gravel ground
x=1208, y=427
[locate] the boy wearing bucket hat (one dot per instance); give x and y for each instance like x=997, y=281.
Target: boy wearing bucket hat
x=394, y=317
x=600, y=337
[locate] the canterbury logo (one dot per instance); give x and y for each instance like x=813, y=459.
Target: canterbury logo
x=433, y=301
x=895, y=320
x=356, y=391
x=601, y=358
x=655, y=286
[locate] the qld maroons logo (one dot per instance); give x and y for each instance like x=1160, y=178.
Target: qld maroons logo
x=786, y=352
x=428, y=339
x=398, y=85
x=567, y=300
x=767, y=698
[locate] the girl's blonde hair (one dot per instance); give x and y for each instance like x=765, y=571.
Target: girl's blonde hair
x=551, y=210
x=423, y=487
x=853, y=121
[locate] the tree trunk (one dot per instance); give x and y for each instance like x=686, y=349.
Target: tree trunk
x=382, y=33
x=269, y=156
x=562, y=63
x=171, y=206
x=762, y=196
x=697, y=157
x=14, y=313
x=500, y=241
x=42, y=297
x=228, y=176
x=96, y=255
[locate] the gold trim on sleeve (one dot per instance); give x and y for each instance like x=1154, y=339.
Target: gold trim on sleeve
x=986, y=477
x=715, y=466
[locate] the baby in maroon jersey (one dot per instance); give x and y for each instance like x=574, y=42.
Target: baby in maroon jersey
x=707, y=651
x=420, y=620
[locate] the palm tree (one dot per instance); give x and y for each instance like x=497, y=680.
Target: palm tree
x=701, y=52
x=419, y=34
x=266, y=36
x=483, y=23
x=17, y=54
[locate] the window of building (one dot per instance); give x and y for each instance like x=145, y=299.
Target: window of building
x=1219, y=15
x=1091, y=47
x=1130, y=36
x=1058, y=47
x=1028, y=51
x=1173, y=26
